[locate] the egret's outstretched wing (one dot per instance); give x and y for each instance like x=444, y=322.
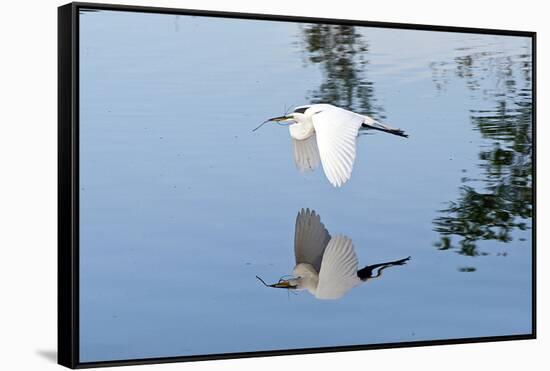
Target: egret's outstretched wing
x=336, y=130
x=338, y=270
x=310, y=238
x=306, y=153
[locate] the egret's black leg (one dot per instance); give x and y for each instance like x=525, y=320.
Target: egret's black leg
x=367, y=272
x=397, y=132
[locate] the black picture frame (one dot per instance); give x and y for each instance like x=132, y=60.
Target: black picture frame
x=68, y=183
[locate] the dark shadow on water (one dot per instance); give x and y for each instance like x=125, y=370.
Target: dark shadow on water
x=499, y=202
x=341, y=53
x=50, y=355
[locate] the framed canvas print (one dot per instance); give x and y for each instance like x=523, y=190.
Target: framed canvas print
x=236, y=185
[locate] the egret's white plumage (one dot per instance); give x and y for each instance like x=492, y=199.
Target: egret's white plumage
x=325, y=266
x=306, y=153
x=338, y=272
x=323, y=133
x=310, y=239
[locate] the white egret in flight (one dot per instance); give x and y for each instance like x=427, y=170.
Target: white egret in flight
x=326, y=266
x=327, y=134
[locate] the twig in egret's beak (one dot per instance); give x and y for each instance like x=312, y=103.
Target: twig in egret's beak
x=262, y=281
x=259, y=126
x=275, y=119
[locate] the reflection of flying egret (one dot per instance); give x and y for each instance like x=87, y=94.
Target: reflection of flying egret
x=325, y=133
x=325, y=266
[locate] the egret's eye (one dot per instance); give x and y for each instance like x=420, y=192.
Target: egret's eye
x=301, y=110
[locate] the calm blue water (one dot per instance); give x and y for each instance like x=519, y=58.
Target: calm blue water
x=181, y=205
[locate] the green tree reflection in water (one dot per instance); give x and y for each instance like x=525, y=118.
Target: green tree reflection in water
x=500, y=202
x=340, y=51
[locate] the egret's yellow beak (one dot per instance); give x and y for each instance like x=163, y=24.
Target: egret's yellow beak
x=280, y=118
x=283, y=284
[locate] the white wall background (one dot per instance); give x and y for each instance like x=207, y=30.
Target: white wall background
x=28, y=145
